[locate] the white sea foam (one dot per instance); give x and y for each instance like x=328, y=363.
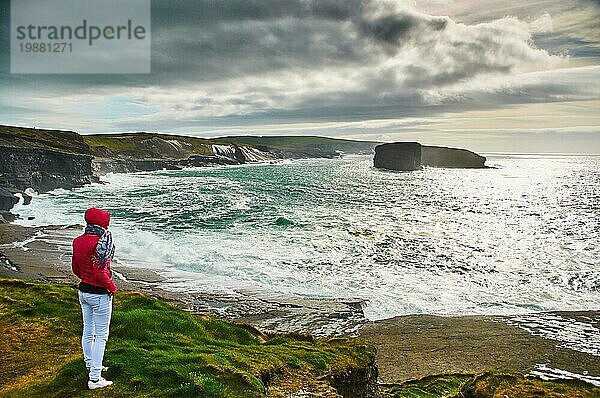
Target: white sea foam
x=576, y=334
x=545, y=372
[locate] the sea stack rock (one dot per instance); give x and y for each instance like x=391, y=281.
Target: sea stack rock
x=403, y=156
x=412, y=156
x=436, y=156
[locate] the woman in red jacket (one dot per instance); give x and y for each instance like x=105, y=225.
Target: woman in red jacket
x=92, y=254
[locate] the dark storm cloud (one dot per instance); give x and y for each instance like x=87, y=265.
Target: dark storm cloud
x=225, y=39
x=184, y=12
x=212, y=40
x=206, y=40
x=221, y=39
x=249, y=47
x=393, y=28
x=4, y=36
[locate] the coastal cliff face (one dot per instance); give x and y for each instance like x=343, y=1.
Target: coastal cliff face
x=406, y=156
x=360, y=382
x=43, y=170
x=131, y=152
x=7, y=201
x=42, y=160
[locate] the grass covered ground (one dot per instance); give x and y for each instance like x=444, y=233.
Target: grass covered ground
x=54, y=140
x=157, y=350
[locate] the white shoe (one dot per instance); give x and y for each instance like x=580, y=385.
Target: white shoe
x=101, y=383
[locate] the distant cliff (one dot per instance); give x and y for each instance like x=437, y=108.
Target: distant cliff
x=149, y=151
x=407, y=156
x=305, y=146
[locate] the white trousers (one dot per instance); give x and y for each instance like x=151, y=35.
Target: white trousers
x=96, y=310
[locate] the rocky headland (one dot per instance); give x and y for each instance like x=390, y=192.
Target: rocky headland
x=408, y=156
x=438, y=156
x=44, y=160
x=404, y=156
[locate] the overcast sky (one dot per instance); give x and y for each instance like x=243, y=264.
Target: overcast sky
x=489, y=75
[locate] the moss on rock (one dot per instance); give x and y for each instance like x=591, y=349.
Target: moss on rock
x=495, y=384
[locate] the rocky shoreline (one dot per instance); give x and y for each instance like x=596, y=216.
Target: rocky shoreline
x=433, y=345
x=408, y=347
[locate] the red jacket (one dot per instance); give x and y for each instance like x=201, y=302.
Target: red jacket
x=84, y=247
